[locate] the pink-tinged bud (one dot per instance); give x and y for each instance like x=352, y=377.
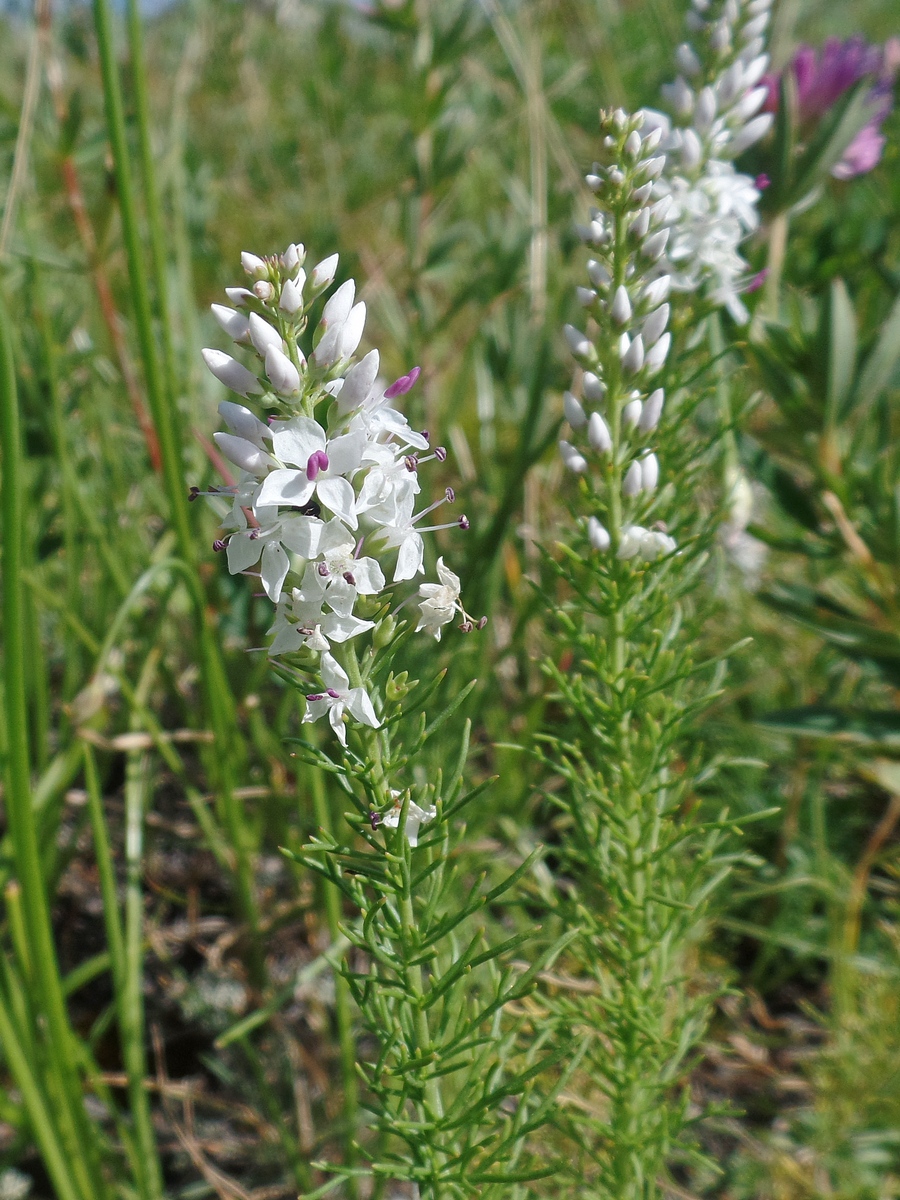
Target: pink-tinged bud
x=283, y=375
x=633, y=481
x=652, y=411
x=254, y=265
x=575, y=414
x=263, y=291
x=323, y=273
x=598, y=434
x=598, y=535
x=232, y=373
x=234, y=323
x=404, y=384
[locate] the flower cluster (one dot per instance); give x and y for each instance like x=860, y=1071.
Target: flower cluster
x=329, y=484
x=628, y=300
x=715, y=105
x=821, y=80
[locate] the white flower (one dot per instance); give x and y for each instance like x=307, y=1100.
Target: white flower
x=439, y=601
x=648, y=543
x=300, y=621
x=337, y=697
x=269, y=541
x=323, y=463
x=340, y=576
x=415, y=817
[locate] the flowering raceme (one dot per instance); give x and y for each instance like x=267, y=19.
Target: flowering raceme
x=715, y=108
x=329, y=484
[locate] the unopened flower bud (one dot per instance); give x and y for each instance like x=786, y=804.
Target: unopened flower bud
x=293, y=257
x=655, y=325
x=640, y=226
x=253, y=264
x=598, y=535
x=586, y=296
x=633, y=481
x=620, y=309
x=232, y=373
x=652, y=411
x=575, y=414
x=656, y=355
x=263, y=291
x=691, y=150
x=283, y=375
x=572, y=458
x=598, y=434
x=323, y=273
x=705, y=112
x=291, y=299
x=578, y=343
x=631, y=413
x=593, y=387
x=234, y=323
x=687, y=60
x=598, y=274
x=632, y=145
x=649, y=465
x=654, y=247
x=262, y=335
x=657, y=290
x=633, y=358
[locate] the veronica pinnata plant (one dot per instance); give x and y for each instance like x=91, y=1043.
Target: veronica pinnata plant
x=638, y=860
x=325, y=512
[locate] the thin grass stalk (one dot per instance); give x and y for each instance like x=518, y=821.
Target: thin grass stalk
x=81, y=1134
x=217, y=691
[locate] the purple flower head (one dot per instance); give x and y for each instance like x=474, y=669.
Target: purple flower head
x=403, y=384
x=822, y=78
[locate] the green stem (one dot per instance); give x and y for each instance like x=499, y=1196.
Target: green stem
x=83, y=1148
x=342, y=998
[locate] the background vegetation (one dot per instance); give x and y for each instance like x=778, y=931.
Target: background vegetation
x=440, y=148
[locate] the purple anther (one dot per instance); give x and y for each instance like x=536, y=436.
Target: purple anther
x=440, y=453
x=322, y=569
x=193, y=493
x=401, y=386
x=312, y=466
x=350, y=578
x=254, y=534
x=316, y=696
x=218, y=545
x=467, y=627
x=426, y=435
x=333, y=694
x=374, y=819
x=758, y=280
x=450, y=494
x=481, y=623
x=463, y=522
x=323, y=460
x=411, y=462
x=761, y=182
